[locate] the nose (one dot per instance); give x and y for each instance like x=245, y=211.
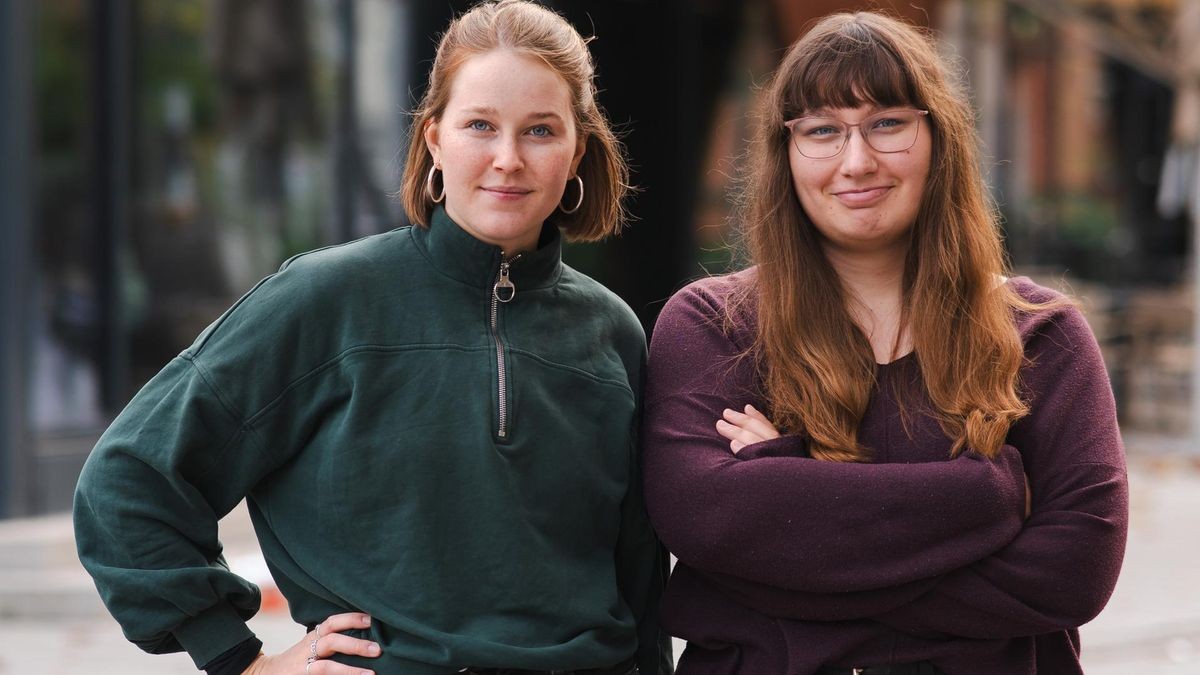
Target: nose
x=858, y=158
x=508, y=155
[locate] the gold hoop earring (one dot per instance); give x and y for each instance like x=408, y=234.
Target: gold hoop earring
x=437, y=199
x=578, y=203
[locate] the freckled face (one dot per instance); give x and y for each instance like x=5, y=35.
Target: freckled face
x=862, y=200
x=507, y=145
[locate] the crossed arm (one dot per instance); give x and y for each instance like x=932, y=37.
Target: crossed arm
x=928, y=548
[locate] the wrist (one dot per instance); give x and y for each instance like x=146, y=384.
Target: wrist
x=255, y=667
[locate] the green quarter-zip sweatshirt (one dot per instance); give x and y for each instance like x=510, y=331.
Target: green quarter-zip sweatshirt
x=457, y=460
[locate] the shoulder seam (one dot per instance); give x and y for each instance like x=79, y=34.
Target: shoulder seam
x=211, y=384
x=302, y=254
x=241, y=427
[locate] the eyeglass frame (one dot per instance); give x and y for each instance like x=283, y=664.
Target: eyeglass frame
x=846, y=141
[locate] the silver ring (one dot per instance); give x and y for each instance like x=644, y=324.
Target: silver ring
x=307, y=667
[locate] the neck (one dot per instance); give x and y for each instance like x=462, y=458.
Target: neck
x=874, y=283
x=871, y=275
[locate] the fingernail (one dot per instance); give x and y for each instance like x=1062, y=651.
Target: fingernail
x=366, y=620
x=373, y=649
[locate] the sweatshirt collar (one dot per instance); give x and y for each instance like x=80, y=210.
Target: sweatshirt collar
x=457, y=254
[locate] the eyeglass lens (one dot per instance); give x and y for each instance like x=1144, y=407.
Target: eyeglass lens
x=888, y=131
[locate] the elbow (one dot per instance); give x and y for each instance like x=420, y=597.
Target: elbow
x=1086, y=593
x=1086, y=570
x=1092, y=596
x=1086, y=611
x=1083, y=605
x=695, y=513
x=693, y=551
x=689, y=532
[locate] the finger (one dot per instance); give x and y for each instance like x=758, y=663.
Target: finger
x=725, y=429
x=340, y=622
x=733, y=416
x=737, y=419
x=759, y=427
x=336, y=643
x=754, y=412
x=767, y=429
x=736, y=433
x=736, y=446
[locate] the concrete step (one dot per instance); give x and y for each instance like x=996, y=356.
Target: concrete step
x=41, y=576
x=45, y=542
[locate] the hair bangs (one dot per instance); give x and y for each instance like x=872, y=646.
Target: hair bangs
x=848, y=68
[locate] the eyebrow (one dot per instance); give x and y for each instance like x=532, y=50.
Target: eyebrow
x=488, y=110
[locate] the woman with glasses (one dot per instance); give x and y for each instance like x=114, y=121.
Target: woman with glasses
x=434, y=427
x=873, y=451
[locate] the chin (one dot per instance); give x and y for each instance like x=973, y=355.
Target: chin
x=512, y=226
x=507, y=230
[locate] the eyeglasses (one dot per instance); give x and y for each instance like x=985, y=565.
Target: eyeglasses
x=825, y=137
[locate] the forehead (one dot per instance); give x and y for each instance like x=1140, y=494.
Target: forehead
x=509, y=83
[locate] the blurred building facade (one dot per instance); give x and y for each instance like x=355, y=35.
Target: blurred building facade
x=1077, y=101
x=162, y=157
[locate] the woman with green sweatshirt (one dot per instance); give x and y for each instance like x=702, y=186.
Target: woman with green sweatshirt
x=434, y=427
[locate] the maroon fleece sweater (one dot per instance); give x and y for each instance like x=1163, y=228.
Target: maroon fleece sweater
x=787, y=563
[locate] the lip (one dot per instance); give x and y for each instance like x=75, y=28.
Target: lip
x=860, y=197
x=506, y=191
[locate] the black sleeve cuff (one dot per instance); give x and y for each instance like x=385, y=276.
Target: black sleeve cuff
x=235, y=661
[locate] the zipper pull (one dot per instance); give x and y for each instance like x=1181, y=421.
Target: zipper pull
x=504, y=290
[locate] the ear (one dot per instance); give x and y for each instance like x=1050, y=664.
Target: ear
x=431, y=139
x=580, y=148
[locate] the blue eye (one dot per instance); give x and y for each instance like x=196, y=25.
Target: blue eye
x=478, y=125
x=541, y=131
x=822, y=131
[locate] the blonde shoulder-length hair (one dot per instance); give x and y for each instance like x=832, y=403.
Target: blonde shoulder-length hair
x=817, y=366
x=531, y=29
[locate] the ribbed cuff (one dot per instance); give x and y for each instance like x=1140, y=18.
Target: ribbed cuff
x=235, y=661
x=208, y=635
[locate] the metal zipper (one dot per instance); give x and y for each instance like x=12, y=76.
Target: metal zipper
x=502, y=291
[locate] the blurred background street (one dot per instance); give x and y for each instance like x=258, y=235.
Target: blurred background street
x=161, y=157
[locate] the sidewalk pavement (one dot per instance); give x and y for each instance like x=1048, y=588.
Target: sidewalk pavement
x=52, y=622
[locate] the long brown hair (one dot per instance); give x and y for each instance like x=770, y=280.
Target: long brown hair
x=531, y=29
x=817, y=366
